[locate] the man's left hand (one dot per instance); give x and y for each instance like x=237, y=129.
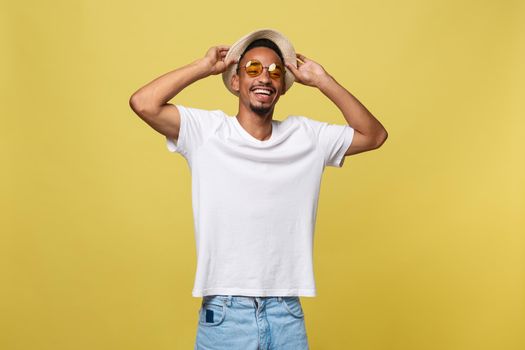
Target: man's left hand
x=307, y=72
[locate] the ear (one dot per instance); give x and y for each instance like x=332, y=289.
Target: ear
x=235, y=82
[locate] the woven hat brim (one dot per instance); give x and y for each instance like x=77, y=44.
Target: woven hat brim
x=240, y=45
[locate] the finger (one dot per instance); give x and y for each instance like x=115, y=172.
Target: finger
x=223, y=47
x=231, y=61
x=302, y=57
x=292, y=68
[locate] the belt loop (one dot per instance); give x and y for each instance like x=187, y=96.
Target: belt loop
x=280, y=299
x=228, y=300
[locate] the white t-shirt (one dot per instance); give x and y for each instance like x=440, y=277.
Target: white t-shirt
x=255, y=202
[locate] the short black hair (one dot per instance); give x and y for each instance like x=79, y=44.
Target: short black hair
x=262, y=43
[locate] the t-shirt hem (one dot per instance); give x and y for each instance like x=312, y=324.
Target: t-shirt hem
x=348, y=137
x=254, y=292
x=178, y=144
x=171, y=143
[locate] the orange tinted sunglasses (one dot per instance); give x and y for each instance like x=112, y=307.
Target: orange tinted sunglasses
x=254, y=68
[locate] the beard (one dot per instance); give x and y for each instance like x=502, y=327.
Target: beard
x=261, y=110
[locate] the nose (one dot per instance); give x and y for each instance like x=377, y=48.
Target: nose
x=264, y=77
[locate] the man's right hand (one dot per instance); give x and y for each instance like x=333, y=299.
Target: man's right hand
x=215, y=59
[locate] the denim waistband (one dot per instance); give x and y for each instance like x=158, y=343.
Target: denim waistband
x=243, y=299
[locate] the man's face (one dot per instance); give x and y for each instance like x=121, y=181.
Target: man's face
x=260, y=93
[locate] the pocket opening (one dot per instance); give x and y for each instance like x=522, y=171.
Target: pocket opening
x=293, y=306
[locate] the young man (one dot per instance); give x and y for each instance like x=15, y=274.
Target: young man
x=255, y=185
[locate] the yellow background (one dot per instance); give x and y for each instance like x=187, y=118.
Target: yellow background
x=419, y=244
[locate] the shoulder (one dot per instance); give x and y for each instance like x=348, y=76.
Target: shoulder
x=216, y=113
x=306, y=123
x=296, y=119
x=301, y=119
x=202, y=118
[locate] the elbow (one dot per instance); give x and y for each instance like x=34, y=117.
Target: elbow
x=138, y=106
x=135, y=104
x=380, y=138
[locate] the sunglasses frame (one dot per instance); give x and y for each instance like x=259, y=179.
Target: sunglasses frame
x=277, y=65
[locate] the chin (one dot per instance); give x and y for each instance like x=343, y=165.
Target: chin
x=261, y=110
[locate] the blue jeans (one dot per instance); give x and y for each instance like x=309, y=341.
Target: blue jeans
x=251, y=323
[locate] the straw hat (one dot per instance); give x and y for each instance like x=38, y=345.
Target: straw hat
x=238, y=48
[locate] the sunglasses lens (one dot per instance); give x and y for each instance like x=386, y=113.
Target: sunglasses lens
x=254, y=68
x=275, y=71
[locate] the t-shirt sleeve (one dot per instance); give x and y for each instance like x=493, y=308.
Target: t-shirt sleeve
x=333, y=141
x=196, y=126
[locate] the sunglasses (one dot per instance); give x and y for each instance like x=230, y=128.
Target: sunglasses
x=254, y=68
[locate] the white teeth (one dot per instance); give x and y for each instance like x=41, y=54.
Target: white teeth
x=261, y=91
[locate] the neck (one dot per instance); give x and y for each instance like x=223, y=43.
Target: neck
x=257, y=125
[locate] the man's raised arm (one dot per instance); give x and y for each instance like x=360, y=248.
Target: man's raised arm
x=369, y=133
x=150, y=102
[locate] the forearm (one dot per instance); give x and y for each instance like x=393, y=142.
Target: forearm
x=355, y=113
x=159, y=91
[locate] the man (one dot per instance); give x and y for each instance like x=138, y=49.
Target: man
x=255, y=185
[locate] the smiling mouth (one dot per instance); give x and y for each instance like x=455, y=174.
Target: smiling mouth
x=263, y=94
x=264, y=91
